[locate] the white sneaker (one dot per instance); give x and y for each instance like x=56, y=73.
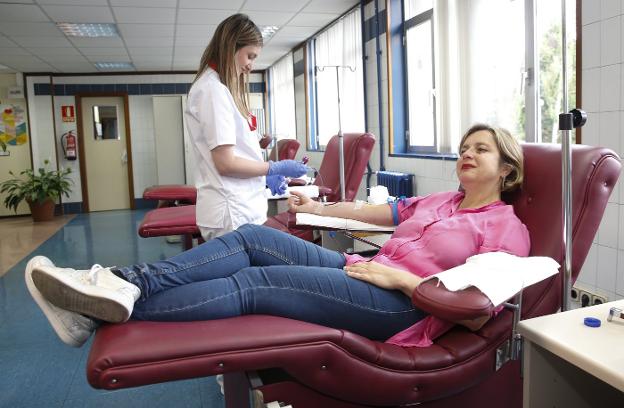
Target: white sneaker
x=72, y=328
x=97, y=293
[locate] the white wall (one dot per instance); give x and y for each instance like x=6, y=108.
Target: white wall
x=602, y=73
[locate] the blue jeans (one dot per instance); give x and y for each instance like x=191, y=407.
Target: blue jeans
x=260, y=270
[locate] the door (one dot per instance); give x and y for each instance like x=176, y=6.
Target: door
x=105, y=148
x=169, y=135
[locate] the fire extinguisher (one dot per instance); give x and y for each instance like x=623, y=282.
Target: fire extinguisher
x=68, y=141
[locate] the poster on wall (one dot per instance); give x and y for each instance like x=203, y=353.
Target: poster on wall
x=13, y=125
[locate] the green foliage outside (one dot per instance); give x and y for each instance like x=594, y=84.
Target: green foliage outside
x=36, y=186
x=551, y=90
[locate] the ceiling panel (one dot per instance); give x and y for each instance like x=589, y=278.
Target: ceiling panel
x=144, y=3
x=75, y=2
x=189, y=51
x=30, y=29
x=21, y=12
x=329, y=6
x=108, y=58
x=60, y=59
x=202, y=16
x=12, y=51
x=268, y=18
x=313, y=19
x=196, y=30
x=155, y=51
x=79, y=14
x=57, y=51
x=148, y=15
x=42, y=41
x=36, y=66
x=212, y=4
x=274, y=5
x=299, y=33
x=192, y=41
x=146, y=30
x=6, y=42
x=149, y=42
x=74, y=67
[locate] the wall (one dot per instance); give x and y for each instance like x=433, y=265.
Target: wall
x=18, y=157
x=602, y=70
x=47, y=134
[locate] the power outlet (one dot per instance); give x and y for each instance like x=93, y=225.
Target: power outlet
x=575, y=295
x=598, y=299
x=585, y=298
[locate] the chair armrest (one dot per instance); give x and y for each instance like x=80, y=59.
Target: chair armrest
x=296, y=182
x=459, y=306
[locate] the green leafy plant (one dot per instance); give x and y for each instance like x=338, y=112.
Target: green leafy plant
x=36, y=187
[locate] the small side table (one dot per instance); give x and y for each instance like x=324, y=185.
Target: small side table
x=568, y=364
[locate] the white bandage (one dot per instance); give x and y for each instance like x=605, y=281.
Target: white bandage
x=359, y=204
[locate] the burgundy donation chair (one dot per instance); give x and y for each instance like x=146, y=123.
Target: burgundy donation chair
x=308, y=365
x=358, y=148
x=286, y=149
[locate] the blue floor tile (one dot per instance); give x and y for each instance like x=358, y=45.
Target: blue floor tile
x=38, y=370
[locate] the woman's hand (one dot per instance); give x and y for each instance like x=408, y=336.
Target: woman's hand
x=384, y=276
x=298, y=202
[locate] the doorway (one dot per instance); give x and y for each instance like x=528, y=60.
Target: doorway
x=105, y=153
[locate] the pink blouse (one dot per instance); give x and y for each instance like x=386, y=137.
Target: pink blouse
x=433, y=235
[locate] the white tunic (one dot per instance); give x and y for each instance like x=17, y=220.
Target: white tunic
x=223, y=203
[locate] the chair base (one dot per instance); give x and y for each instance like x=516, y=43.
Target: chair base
x=501, y=390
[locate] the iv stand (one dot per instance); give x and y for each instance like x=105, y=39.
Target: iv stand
x=340, y=135
x=567, y=121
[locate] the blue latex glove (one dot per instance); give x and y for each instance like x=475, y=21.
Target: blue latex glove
x=287, y=168
x=277, y=184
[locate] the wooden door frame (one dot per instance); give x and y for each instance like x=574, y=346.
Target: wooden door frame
x=81, y=149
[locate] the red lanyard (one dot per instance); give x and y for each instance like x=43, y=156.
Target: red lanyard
x=251, y=119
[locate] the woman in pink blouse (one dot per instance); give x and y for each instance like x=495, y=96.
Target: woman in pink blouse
x=258, y=270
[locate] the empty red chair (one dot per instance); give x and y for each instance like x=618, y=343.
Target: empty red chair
x=286, y=149
x=357, y=150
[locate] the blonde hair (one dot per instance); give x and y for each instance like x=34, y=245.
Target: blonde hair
x=509, y=150
x=232, y=34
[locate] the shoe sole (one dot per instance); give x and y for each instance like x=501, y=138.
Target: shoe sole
x=44, y=305
x=87, y=300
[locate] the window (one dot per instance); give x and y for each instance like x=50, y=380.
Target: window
x=468, y=61
x=338, y=59
x=282, y=98
x=420, y=131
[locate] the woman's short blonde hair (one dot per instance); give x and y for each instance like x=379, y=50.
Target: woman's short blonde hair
x=232, y=34
x=509, y=150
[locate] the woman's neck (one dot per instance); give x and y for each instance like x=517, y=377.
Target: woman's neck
x=480, y=199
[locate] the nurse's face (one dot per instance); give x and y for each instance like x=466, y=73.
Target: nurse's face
x=245, y=58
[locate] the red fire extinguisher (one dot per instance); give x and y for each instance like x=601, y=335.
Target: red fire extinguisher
x=68, y=140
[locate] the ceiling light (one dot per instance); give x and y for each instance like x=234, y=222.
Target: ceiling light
x=268, y=32
x=88, y=29
x=108, y=66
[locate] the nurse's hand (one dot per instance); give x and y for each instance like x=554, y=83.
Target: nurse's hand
x=299, y=202
x=385, y=277
x=287, y=168
x=277, y=184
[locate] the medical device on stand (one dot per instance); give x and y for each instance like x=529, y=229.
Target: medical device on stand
x=340, y=135
x=575, y=118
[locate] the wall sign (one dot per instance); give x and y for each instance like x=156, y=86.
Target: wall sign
x=67, y=113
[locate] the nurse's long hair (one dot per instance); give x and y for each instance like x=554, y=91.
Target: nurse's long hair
x=232, y=34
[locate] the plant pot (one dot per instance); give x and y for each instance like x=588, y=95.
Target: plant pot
x=42, y=211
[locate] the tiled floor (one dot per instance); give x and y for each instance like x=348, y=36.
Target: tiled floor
x=36, y=368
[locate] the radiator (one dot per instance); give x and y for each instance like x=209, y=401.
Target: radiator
x=398, y=184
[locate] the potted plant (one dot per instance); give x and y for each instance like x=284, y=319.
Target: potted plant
x=40, y=190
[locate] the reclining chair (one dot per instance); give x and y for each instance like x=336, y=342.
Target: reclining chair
x=358, y=148
x=286, y=149
x=308, y=365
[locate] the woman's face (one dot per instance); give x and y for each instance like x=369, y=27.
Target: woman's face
x=479, y=163
x=245, y=58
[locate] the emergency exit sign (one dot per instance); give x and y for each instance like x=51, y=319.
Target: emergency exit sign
x=67, y=113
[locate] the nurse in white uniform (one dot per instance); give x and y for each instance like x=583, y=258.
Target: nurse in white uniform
x=230, y=172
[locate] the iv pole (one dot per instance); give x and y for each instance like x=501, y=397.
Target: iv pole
x=340, y=135
x=567, y=121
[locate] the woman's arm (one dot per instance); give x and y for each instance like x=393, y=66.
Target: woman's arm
x=230, y=165
x=384, y=276
x=374, y=214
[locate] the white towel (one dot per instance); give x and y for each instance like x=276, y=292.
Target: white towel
x=498, y=275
